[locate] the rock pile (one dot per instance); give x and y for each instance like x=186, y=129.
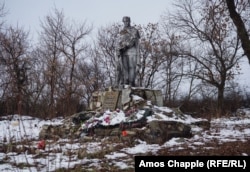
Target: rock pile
x=145, y=121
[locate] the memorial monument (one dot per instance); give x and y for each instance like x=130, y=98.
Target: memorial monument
x=125, y=94
x=127, y=54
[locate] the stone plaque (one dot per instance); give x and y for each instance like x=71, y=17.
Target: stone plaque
x=126, y=96
x=158, y=97
x=110, y=100
x=155, y=96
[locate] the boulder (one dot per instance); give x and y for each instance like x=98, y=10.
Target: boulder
x=81, y=117
x=59, y=131
x=158, y=132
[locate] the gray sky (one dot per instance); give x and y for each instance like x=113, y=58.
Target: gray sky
x=29, y=13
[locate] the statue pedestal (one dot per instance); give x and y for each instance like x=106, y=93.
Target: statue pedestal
x=112, y=99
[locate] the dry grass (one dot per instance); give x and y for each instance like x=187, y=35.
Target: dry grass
x=236, y=148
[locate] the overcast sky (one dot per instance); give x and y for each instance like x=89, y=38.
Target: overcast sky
x=29, y=13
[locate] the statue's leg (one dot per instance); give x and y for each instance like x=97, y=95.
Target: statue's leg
x=125, y=69
x=118, y=76
x=132, y=69
x=121, y=75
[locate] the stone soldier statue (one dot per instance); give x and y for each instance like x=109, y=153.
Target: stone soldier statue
x=127, y=50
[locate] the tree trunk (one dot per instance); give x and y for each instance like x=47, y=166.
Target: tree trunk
x=220, y=101
x=241, y=29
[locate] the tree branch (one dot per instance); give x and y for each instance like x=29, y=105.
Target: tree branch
x=241, y=29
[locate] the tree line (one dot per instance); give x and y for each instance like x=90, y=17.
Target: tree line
x=192, y=54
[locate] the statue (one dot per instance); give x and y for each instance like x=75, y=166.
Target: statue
x=127, y=54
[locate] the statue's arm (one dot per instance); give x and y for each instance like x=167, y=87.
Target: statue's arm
x=128, y=41
x=134, y=37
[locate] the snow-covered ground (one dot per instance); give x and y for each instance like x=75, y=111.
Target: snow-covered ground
x=19, y=138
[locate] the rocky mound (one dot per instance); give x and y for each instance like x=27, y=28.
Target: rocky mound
x=152, y=124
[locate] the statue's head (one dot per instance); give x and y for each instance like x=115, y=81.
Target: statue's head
x=126, y=19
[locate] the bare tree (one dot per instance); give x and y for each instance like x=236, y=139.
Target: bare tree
x=74, y=48
x=104, y=51
x=174, y=66
x=240, y=25
x=64, y=46
x=3, y=13
x=171, y=65
x=151, y=56
x=91, y=78
x=212, y=42
x=50, y=42
x=36, y=99
x=14, y=65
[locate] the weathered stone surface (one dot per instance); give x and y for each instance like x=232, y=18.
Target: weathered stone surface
x=203, y=124
x=70, y=128
x=125, y=98
x=80, y=117
x=110, y=100
x=96, y=100
x=59, y=131
x=155, y=96
x=158, y=132
x=51, y=132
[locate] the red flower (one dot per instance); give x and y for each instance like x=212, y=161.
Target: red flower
x=124, y=133
x=107, y=119
x=41, y=144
